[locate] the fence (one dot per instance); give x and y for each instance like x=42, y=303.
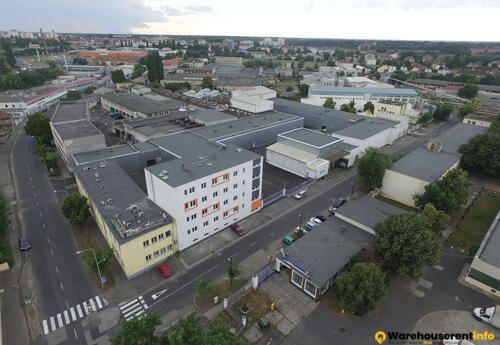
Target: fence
x=288, y=192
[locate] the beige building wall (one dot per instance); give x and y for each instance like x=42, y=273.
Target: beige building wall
x=132, y=255
x=485, y=268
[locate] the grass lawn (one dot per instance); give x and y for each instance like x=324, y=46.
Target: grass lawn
x=258, y=303
x=470, y=232
x=219, y=288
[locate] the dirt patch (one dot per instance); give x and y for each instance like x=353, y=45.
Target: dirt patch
x=220, y=288
x=330, y=302
x=258, y=304
x=29, y=301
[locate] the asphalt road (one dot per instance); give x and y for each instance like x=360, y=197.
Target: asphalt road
x=178, y=294
x=60, y=278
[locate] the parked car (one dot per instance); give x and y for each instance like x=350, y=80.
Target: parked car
x=322, y=218
x=490, y=315
x=287, y=240
x=311, y=225
x=24, y=244
x=301, y=194
x=164, y=271
x=238, y=230
x=316, y=220
x=339, y=202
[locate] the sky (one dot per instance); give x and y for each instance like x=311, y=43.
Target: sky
x=454, y=20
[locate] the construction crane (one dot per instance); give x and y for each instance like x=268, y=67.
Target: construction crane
x=44, y=43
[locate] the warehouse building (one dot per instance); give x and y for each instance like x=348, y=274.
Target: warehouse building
x=251, y=105
x=484, y=272
x=72, y=132
x=209, y=187
x=317, y=258
x=134, y=106
x=139, y=232
x=307, y=153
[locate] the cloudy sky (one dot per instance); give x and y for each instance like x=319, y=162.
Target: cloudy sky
x=467, y=20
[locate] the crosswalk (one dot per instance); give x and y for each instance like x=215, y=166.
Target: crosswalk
x=73, y=314
x=133, y=308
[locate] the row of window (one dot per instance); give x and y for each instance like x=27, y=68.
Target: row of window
x=155, y=239
x=215, y=181
x=194, y=203
x=157, y=253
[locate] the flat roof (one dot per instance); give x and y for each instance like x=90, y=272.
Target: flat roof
x=458, y=135
x=70, y=111
x=142, y=104
x=320, y=89
x=424, y=164
x=292, y=152
x=243, y=125
x=368, y=211
x=366, y=128
x=310, y=137
x=197, y=158
x=76, y=129
x=250, y=100
x=209, y=116
x=488, y=117
x=107, y=153
x=488, y=252
x=124, y=207
x=323, y=252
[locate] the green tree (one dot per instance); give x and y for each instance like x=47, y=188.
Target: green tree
x=468, y=107
x=138, y=331
x=289, y=88
x=371, y=167
x=442, y=112
x=73, y=95
x=38, y=126
x=187, y=331
x=349, y=107
x=202, y=287
x=468, y=91
x=80, y=61
x=117, y=76
x=207, y=83
x=447, y=194
x=425, y=118
x=361, y=287
x=177, y=86
x=304, y=90
x=218, y=333
x=4, y=216
x=369, y=106
x=103, y=258
x=406, y=243
x=233, y=271
x=50, y=161
x=435, y=218
x=89, y=90
x=138, y=70
x=154, y=66
x=329, y=103
x=76, y=208
x=7, y=52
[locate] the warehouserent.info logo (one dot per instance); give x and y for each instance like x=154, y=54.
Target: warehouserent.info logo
x=428, y=338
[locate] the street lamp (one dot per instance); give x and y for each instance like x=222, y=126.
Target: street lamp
x=96, y=262
x=300, y=220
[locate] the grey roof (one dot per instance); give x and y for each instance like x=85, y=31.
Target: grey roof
x=143, y=104
x=424, y=164
x=209, y=116
x=123, y=205
x=322, y=253
x=493, y=88
x=107, y=153
x=308, y=136
x=243, y=125
x=144, y=147
x=457, y=135
x=76, y=129
x=69, y=111
x=385, y=92
x=434, y=82
x=368, y=211
x=489, y=251
x=366, y=128
x=197, y=158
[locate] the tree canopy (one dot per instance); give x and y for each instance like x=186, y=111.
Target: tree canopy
x=138, y=331
x=442, y=112
x=447, y=194
x=349, y=107
x=468, y=107
x=155, y=66
x=80, y=61
x=303, y=90
x=369, y=106
x=406, y=242
x=73, y=95
x=360, y=287
x=138, y=70
x=117, y=76
x=76, y=208
x=207, y=83
x=371, y=167
x=38, y=126
x=468, y=91
x=329, y=103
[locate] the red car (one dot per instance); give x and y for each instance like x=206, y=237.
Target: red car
x=238, y=230
x=164, y=270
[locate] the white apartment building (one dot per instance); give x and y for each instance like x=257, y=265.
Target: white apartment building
x=207, y=188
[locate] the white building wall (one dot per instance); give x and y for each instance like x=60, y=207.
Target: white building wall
x=402, y=188
x=286, y=163
x=476, y=122
x=194, y=226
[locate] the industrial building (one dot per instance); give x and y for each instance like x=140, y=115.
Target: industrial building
x=139, y=232
x=484, y=271
x=207, y=188
x=229, y=61
x=253, y=100
x=72, y=131
x=307, y=153
x=317, y=258
x=134, y=106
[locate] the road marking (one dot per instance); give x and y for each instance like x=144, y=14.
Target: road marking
x=48, y=240
x=45, y=327
x=66, y=317
x=62, y=287
x=134, y=308
x=232, y=256
x=92, y=305
x=85, y=308
x=252, y=244
x=57, y=270
x=158, y=294
x=41, y=214
x=67, y=304
x=59, y=320
x=79, y=310
x=76, y=335
x=425, y=283
x=51, y=252
x=98, y=300
x=52, y=323
x=73, y=314
x=438, y=267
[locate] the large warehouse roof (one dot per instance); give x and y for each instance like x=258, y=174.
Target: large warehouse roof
x=142, y=104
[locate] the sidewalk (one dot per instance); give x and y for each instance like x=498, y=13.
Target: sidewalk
x=14, y=326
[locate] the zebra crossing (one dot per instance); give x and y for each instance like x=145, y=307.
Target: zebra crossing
x=133, y=308
x=73, y=314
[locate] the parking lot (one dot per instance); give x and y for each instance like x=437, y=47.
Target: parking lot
x=101, y=119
